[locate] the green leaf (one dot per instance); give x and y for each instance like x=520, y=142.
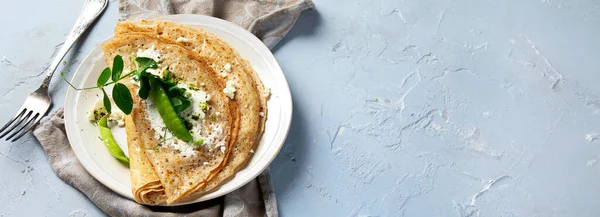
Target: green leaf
x=175, y=91
x=122, y=98
x=145, y=63
x=106, y=101
x=167, y=84
x=185, y=103
x=144, y=87
x=180, y=103
x=103, y=78
x=175, y=102
x=117, y=68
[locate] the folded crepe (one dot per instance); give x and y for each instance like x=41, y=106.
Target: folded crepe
x=163, y=168
x=145, y=184
x=223, y=59
x=160, y=171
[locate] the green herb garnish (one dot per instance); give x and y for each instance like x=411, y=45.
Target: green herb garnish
x=103, y=78
x=203, y=106
x=199, y=141
x=122, y=98
x=121, y=94
x=174, y=96
x=117, y=68
x=106, y=101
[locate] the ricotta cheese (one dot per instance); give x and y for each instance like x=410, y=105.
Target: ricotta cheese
x=230, y=89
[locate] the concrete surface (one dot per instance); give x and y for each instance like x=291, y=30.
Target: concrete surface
x=401, y=108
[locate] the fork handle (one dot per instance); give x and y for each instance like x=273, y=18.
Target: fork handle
x=91, y=10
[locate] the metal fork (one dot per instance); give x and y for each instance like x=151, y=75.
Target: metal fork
x=38, y=102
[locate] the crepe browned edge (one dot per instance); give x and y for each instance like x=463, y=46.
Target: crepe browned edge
x=190, y=69
x=250, y=93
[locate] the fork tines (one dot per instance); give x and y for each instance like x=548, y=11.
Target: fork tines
x=20, y=124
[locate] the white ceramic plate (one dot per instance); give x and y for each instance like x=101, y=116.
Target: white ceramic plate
x=96, y=159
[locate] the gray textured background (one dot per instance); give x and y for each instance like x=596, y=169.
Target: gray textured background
x=414, y=108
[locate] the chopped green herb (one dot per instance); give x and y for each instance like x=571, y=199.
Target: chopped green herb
x=203, y=106
x=199, y=141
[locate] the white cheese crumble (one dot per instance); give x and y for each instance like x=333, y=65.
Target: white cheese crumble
x=213, y=138
x=157, y=71
x=261, y=114
x=97, y=111
x=251, y=150
x=149, y=53
x=198, y=99
x=117, y=118
x=227, y=68
x=182, y=39
x=230, y=89
x=267, y=92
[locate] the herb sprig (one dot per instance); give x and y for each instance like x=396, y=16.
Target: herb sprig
x=121, y=94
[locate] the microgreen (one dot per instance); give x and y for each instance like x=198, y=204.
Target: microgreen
x=175, y=102
x=117, y=68
x=144, y=87
x=103, y=78
x=106, y=101
x=121, y=94
x=122, y=98
x=179, y=104
x=144, y=63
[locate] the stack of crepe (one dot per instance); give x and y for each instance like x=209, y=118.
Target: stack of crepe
x=160, y=175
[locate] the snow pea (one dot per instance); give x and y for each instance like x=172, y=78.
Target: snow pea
x=167, y=112
x=110, y=142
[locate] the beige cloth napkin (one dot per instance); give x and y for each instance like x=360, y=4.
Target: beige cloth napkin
x=269, y=20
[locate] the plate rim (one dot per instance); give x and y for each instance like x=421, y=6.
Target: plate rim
x=252, y=41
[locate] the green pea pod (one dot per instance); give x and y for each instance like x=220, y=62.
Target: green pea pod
x=110, y=142
x=167, y=112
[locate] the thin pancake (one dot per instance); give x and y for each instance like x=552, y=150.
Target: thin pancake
x=180, y=175
x=249, y=95
x=145, y=184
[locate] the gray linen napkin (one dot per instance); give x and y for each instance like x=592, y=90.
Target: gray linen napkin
x=269, y=20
